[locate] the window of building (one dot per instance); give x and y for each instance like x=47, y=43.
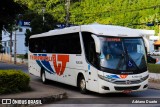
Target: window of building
x=5, y=44
x=5, y=33
x=20, y=30
x=10, y=43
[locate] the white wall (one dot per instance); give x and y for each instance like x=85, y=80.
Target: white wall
x=149, y=34
x=20, y=36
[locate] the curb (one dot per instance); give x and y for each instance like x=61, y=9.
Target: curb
x=153, y=85
x=154, y=81
x=155, y=76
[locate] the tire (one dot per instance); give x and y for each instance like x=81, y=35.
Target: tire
x=82, y=85
x=43, y=77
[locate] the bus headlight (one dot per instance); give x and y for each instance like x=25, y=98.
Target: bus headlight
x=106, y=78
x=144, y=78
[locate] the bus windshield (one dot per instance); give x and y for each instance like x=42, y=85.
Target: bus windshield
x=123, y=55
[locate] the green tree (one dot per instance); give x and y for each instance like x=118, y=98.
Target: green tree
x=38, y=25
x=27, y=35
x=132, y=13
x=8, y=12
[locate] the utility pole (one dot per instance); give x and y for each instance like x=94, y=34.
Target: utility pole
x=67, y=11
x=15, y=42
x=43, y=11
x=11, y=33
x=15, y=47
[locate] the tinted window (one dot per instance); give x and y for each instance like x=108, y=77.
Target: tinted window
x=66, y=44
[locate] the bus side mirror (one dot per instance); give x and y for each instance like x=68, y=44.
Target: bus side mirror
x=97, y=43
x=146, y=42
x=146, y=50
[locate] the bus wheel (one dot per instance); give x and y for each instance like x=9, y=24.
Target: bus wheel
x=82, y=85
x=43, y=77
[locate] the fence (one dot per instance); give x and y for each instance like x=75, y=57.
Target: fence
x=8, y=58
x=5, y=57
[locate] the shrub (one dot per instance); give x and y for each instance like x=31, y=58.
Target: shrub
x=154, y=68
x=26, y=56
x=13, y=81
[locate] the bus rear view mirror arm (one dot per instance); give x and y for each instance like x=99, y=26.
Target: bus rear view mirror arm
x=97, y=43
x=146, y=43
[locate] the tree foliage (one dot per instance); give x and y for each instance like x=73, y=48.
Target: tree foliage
x=131, y=13
x=8, y=12
x=39, y=25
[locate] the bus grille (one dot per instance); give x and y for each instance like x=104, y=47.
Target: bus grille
x=126, y=82
x=122, y=82
x=127, y=88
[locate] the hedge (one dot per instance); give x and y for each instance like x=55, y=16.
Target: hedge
x=13, y=81
x=154, y=68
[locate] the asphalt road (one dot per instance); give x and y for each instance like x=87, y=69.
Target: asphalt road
x=4, y=66
x=92, y=99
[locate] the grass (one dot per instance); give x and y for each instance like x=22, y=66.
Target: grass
x=20, y=56
x=154, y=68
x=25, y=56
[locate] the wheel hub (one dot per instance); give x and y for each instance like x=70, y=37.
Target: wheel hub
x=43, y=77
x=82, y=84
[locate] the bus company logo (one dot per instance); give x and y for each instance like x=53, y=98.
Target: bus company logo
x=60, y=67
x=117, y=76
x=128, y=82
x=59, y=62
x=123, y=76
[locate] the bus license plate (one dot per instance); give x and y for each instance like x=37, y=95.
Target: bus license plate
x=127, y=91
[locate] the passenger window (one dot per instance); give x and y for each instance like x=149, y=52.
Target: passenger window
x=66, y=44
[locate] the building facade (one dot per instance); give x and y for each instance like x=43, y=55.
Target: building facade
x=150, y=35
x=20, y=41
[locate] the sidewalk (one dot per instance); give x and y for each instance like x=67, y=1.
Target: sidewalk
x=154, y=76
x=46, y=94
x=153, y=85
x=154, y=81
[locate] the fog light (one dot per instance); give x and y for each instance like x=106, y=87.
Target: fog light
x=145, y=86
x=105, y=88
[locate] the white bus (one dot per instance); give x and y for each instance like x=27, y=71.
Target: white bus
x=99, y=58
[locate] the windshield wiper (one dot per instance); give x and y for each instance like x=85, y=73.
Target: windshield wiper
x=129, y=61
x=120, y=62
